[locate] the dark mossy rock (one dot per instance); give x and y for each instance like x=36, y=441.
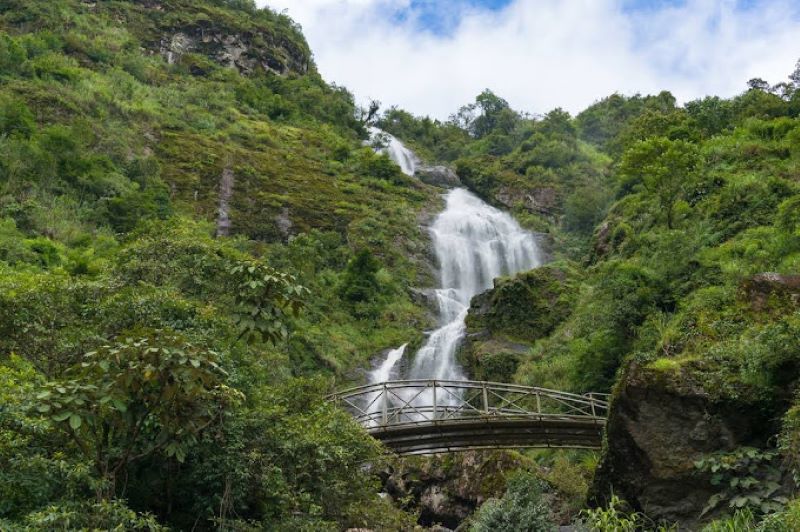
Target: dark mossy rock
x=504, y=322
x=525, y=307
x=771, y=291
x=661, y=421
x=446, y=489
x=439, y=176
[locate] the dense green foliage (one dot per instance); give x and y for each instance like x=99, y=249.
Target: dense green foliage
x=521, y=509
x=681, y=223
x=153, y=375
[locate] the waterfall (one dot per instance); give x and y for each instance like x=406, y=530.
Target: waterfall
x=474, y=244
x=384, y=371
x=396, y=150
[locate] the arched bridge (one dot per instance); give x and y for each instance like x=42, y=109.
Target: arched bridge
x=433, y=416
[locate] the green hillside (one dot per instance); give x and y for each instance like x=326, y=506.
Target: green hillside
x=119, y=123
x=196, y=247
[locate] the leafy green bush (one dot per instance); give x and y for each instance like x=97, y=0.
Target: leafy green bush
x=137, y=397
x=615, y=517
x=521, y=509
x=747, y=477
x=105, y=515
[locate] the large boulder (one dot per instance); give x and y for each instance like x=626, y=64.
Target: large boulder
x=662, y=421
x=439, y=176
x=504, y=322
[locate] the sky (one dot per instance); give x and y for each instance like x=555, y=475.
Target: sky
x=430, y=57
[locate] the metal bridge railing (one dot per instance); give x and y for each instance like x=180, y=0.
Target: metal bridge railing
x=417, y=402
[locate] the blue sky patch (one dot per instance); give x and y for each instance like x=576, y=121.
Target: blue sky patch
x=441, y=17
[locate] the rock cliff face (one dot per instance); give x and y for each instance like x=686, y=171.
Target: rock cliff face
x=246, y=52
x=504, y=322
x=538, y=200
x=251, y=44
x=668, y=414
x=772, y=289
x=446, y=489
x=661, y=422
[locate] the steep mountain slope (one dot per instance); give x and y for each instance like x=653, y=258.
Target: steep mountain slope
x=132, y=133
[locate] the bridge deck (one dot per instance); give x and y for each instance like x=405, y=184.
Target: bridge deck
x=423, y=417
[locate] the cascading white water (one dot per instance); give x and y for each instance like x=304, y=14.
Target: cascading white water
x=383, y=372
x=474, y=244
x=396, y=150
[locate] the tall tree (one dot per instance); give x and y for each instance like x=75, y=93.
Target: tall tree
x=664, y=167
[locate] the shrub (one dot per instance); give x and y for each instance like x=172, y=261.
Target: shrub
x=360, y=282
x=615, y=518
x=106, y=515
x=521, y=509
x=15, y=117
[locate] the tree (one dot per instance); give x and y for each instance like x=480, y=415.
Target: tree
x=493, y=114
x=758, y=84
x=794, y=77
x=367, y=115
x=135, y=397
x=665, y=167
x=558, y=123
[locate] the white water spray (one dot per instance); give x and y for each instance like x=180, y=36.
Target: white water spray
x=384, y=371
x=474, y=244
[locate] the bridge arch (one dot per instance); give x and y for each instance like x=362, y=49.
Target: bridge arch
x=434, y=416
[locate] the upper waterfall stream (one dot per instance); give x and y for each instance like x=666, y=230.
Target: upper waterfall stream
x=474, y=243
x=396, y=150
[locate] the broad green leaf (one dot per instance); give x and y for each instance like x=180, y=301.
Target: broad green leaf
x=75, y=421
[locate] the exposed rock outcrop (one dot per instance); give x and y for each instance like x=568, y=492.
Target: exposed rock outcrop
x=246, y=52
x=249, y=41
x=661, y=422
x=770, y=289
x=446, y=489
x=284, y=223
x=225, y=193
x=539, y=200
x=439, y=176
x=504, y=322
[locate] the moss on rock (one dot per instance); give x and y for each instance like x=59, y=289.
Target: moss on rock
x=504, y=322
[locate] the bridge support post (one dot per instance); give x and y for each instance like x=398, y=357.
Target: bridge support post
x=385, y=406
x=485, y=394
x=434, y=399
x=539, y=405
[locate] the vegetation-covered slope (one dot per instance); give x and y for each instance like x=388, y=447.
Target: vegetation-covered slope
x=681, y=224
x=131, y=133
x=177, y=181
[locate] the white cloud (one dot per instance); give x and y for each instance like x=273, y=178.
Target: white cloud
x=541, y=54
